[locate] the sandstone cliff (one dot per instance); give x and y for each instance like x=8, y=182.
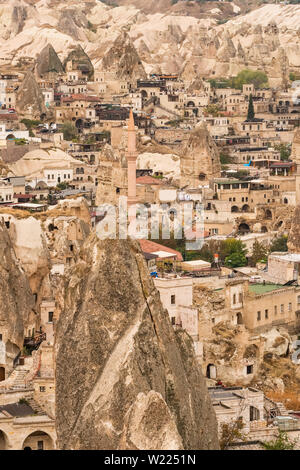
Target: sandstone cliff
x=16, y=299
x=124, y=378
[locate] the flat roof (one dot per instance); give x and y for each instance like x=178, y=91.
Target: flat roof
x=264, y=288
x=164, y=254
x=288, y=257
x=197, y=262
x=29, y=205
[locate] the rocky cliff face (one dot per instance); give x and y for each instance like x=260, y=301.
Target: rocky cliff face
x=125, y=379
x=16, y=299
x=294, y=234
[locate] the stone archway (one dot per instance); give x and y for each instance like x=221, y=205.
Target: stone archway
x=244, y=228
x=79, y=123
x=264, y=229
x=278, y=225
x=38, y=440
x=234, y=209
x=268, y=214
x=3, y=440
x=246, y=208
x=239, y=318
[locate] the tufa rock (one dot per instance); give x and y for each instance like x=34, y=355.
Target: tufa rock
x=16, y=299
x=124, y=377
x=30, y=100
x=123, y=59
x=79, y=60
x=200, y=159
x=48, y=62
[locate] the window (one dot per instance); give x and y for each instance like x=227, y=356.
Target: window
x=290, y=306
x=40, y=445
x=50, y=317
x=173, y=299
x=0, y=336
x=240, y=297
x=234, y=299
x=254, y=414
x=266, y=313
x=258, y=316
x=249, y=370
x=173, y=319
x=281, y=308
x=275, y=310
x=42, y=389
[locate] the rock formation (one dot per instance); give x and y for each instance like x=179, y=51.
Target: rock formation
x=79, y=60
x=30, y=100
x=123, y=59
x=200, y=159
x=266, y=38
x=294, y=234
x=16, y=299
x=125, y=378
x=48, y=62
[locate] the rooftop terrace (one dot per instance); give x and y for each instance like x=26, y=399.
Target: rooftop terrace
x=264, y=288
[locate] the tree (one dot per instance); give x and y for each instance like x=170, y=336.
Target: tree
x=69, y=130
x=279, y=244
x=285, y=151
x=255, y=77
x=282, y=442
x=231, y=432
x=230, y=246
x=250, y=114
x=236, y=260
x=259, y=253
x=62, y=186
x=212, y=110
x=225, y=158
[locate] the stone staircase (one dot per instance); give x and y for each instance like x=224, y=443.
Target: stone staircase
x=282, y=411
x=17, y=378
x=36, y=407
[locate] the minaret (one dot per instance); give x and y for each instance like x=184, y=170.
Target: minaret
x=131, y=156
